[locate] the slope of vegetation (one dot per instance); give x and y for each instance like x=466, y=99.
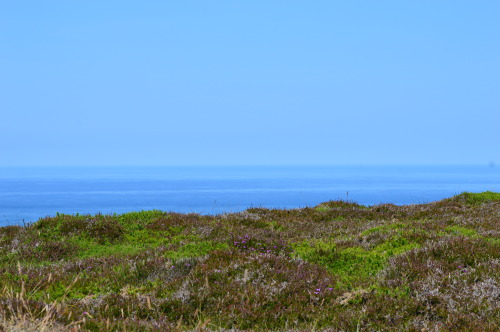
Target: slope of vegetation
x=336, y=266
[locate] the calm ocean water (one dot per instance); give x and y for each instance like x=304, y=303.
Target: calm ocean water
x=26, y=194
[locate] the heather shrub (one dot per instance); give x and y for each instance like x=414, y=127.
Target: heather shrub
x=107, y=230
x=338, y=266
x=49, y=251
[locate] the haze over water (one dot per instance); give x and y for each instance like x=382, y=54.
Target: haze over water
x=29, y=193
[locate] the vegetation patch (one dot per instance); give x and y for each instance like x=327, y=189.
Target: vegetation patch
x=336, y=266
x=478, y=198
x=461, y=231
x=353, y=266
x=384, y=228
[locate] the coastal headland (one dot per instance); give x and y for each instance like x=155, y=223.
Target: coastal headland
x=335, y=266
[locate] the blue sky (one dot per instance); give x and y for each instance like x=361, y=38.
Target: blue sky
x=249, y=82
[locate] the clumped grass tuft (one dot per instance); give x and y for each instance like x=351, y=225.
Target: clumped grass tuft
x=338, y=266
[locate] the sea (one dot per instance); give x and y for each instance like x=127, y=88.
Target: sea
x=30, y=193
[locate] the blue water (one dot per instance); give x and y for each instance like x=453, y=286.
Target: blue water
x=26, y=194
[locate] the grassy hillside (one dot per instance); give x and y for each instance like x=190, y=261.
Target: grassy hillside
x=336, y=266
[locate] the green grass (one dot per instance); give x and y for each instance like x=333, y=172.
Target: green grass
x=461, y=231
x=337, y=266
x=353, y=266
x=478, y=198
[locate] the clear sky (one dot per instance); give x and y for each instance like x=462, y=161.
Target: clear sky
x=96, y=82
